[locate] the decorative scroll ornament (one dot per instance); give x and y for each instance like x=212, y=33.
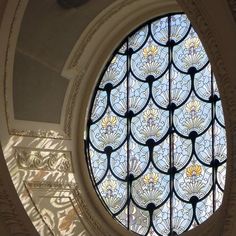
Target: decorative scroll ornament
x=156, y=142
x=43, y=160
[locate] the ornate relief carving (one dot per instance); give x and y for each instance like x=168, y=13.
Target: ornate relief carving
x=71, y=103
x=39, y=134
x=43, y=160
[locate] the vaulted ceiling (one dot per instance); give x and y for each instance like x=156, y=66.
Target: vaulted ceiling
x=47, y=35
x=47, y=53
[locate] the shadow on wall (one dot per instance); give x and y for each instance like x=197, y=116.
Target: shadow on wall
x=71, y=3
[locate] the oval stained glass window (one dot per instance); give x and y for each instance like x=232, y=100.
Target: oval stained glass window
x=156, y=142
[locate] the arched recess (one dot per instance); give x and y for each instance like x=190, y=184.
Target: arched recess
x=89, y=56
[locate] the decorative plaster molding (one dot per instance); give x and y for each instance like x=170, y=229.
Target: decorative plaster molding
x=50, y=185
x=71, y=102
x=43, y=160
x=85, y=40
x=38, y=134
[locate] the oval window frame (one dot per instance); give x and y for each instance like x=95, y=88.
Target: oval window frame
x=97, y=84
x=84, y=65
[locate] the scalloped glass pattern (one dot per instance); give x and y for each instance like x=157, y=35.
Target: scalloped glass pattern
x=156, y=142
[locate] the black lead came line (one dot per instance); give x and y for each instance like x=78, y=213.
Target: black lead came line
x=128, y=133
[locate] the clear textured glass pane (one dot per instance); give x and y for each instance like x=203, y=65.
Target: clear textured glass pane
x=194, y=115
x=115, y=71
x=190, y=53
x=202, y=83
x=113, y=192
x=150, y=60
x=179, y=27
x=151, y=187
x=108, y=131
x=194, y=181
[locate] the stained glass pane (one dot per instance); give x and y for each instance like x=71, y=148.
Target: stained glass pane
x=156, y=139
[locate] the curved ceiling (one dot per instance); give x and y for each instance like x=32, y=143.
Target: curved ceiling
x=37, y=38
x=47, y=35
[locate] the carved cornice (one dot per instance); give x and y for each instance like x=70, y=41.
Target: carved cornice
x=71, y=102
x=37, y=134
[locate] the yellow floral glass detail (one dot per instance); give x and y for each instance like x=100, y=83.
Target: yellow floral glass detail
x=194, y=170
x=109, y=185
x=150, y=114
x=108, y=121
x=193, y=106
x=150, y=178
x=113, y=61
x=150, y=51
x=192, y=43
